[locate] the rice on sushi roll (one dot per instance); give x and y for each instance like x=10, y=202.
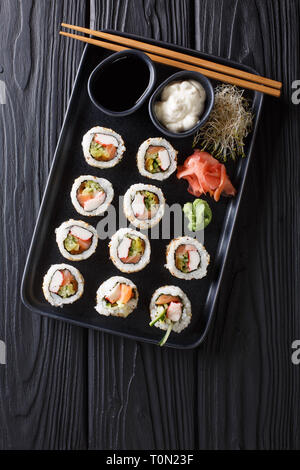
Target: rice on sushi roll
x=129, y=250
x=63, y=284
x=117, y=296
x=156, y=158
x=102, y=147
x=76, y=240
x=170, y=310
x=187, y=258
x=144, y=205
x=91, y=196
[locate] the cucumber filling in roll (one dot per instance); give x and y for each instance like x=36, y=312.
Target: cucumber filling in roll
x=63, y=283
x=103, y=147
x=90, y=195
x=117, y=297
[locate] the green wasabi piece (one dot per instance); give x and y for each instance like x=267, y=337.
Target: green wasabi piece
x=66, y=291
x=198, y=213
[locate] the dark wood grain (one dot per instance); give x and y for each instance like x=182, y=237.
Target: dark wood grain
x=247, y=387
x=42, y=387
x=141, y=397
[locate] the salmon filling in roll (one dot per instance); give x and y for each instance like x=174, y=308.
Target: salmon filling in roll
x=156, y=159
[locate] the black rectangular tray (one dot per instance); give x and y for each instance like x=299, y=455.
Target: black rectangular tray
x=56, y=208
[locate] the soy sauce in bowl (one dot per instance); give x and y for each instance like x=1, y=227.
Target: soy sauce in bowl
x=120, y=84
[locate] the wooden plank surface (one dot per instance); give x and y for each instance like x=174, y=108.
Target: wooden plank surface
x=42, y=386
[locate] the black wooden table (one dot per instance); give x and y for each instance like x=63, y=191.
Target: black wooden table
x=65, y=387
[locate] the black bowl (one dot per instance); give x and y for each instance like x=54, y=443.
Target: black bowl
x=184, y=75
x=127, y=90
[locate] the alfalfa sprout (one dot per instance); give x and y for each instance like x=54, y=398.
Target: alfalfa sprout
x=229, y=122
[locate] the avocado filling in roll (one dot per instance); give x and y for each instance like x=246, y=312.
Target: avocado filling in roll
x=63, y=283
x=131, y=249
x=103, y=147
x=78, y=240
x=90, y=195
x=157, y=159
x=187, y=258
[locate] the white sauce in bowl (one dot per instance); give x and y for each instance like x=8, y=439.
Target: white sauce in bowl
x=181, y=105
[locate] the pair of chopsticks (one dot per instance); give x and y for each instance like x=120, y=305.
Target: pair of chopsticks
x=179, y=60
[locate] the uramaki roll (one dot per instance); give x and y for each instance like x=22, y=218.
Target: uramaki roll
x=144, y=205
x=170, y=310
x=187, y=258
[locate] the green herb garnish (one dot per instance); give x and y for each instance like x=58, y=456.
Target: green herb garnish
x=198, y=213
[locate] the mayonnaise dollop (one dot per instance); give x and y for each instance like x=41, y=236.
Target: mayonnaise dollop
x=181, y=105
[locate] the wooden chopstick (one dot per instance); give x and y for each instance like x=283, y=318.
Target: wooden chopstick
x=182, y=65
x=143, y=46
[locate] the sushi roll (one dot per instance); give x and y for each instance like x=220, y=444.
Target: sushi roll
x=170, y=310
x=63, y=284
x=187, y=258
x=144, y=205
x=129, y=250
x=156, y=159
x=76, y=240
x=91, y=196
x=102, y=147
x=117, y=296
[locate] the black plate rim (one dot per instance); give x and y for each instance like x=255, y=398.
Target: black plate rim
x=233, y=206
